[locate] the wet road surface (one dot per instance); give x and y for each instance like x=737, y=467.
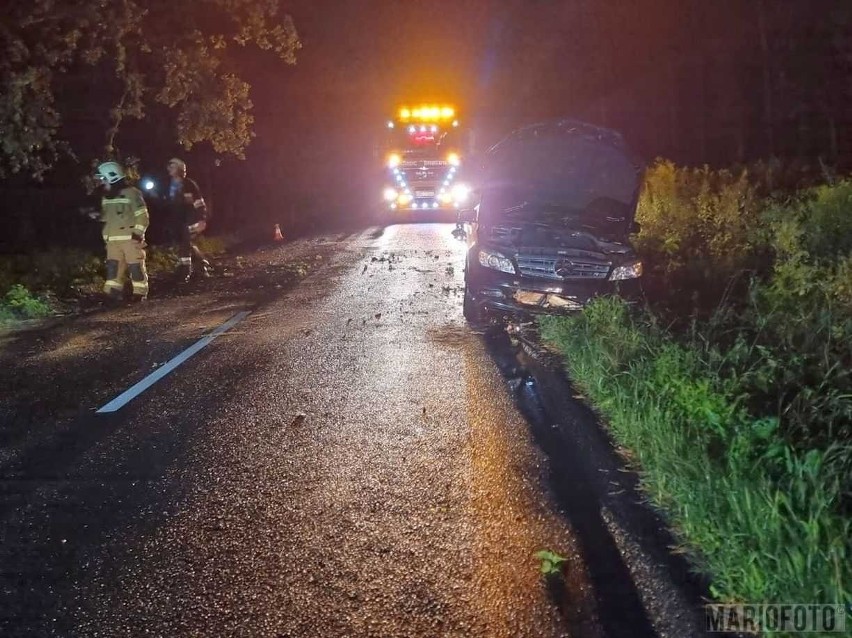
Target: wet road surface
x=349, y=460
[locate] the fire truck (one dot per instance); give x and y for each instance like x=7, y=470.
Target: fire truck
x=423, y=159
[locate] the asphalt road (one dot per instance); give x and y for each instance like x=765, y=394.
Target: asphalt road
x=349, y=460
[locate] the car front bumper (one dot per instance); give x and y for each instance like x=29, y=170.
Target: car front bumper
x=505, y=293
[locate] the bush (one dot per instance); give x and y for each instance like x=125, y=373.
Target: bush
x=212, y=246
x=794, y=329
x=161, y=260
x=687, y=213
x=19, y=303
x=772, y=289
x=700, y=228
x=64, y=272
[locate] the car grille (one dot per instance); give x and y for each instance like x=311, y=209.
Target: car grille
x=546, y=268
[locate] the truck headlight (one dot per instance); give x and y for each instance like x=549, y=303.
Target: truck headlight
x=453, y=159
x=461, y=192
x=629, y=271
x=404, y=199
x=496, y=261
x=394, y=160
x=390, y=195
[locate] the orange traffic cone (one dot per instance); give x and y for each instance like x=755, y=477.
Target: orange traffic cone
x=277, y=236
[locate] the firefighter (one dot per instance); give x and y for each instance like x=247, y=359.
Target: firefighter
x=189, y=213
x=125, y=220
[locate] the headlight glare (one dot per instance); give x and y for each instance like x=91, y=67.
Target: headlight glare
x=628, y=271
x=496, y=261
x=461, y=192
x=390, y=195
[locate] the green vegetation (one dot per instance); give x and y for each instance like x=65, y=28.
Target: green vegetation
x=62, y=272
x=732, y=387
x=213, y=246
x=551, y=563
x=19, y=303
x=69, y=273
x=184, y=67
x=30, y=285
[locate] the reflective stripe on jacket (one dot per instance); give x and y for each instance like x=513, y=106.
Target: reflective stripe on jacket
x=125, y=215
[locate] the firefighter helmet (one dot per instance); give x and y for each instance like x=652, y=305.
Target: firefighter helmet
x=111, y=172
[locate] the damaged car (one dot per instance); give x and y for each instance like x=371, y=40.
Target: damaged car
x=551, y=228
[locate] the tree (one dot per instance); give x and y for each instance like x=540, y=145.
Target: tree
x=128, y=56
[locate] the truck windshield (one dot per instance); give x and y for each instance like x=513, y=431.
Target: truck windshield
x=419, y=139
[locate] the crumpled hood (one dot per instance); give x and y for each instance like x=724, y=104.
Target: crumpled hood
x=577, y=167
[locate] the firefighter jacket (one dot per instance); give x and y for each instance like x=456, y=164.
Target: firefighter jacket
x=187, y=204
x=124, y=215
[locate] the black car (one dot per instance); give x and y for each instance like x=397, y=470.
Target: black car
x=550, y=231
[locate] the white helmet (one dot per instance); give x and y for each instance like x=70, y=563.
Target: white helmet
x=111, y=172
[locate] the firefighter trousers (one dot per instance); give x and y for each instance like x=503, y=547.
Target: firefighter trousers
x=123, y=257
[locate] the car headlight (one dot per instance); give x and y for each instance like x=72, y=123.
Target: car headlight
x=630, y=271
x=390, y=195
x=496, y=261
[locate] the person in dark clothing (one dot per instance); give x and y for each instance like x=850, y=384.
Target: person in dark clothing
x=189, y=214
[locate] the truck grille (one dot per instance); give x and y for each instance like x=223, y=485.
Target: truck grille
x=414, y=163
x=423, y=175
x=560, y=268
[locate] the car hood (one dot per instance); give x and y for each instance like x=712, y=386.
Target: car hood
x=563, y=173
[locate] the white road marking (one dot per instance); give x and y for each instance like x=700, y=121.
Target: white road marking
x=131, y=393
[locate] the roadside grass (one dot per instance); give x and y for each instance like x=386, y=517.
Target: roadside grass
x=763, y=518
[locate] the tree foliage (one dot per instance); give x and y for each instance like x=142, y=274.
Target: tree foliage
x=130, y=55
